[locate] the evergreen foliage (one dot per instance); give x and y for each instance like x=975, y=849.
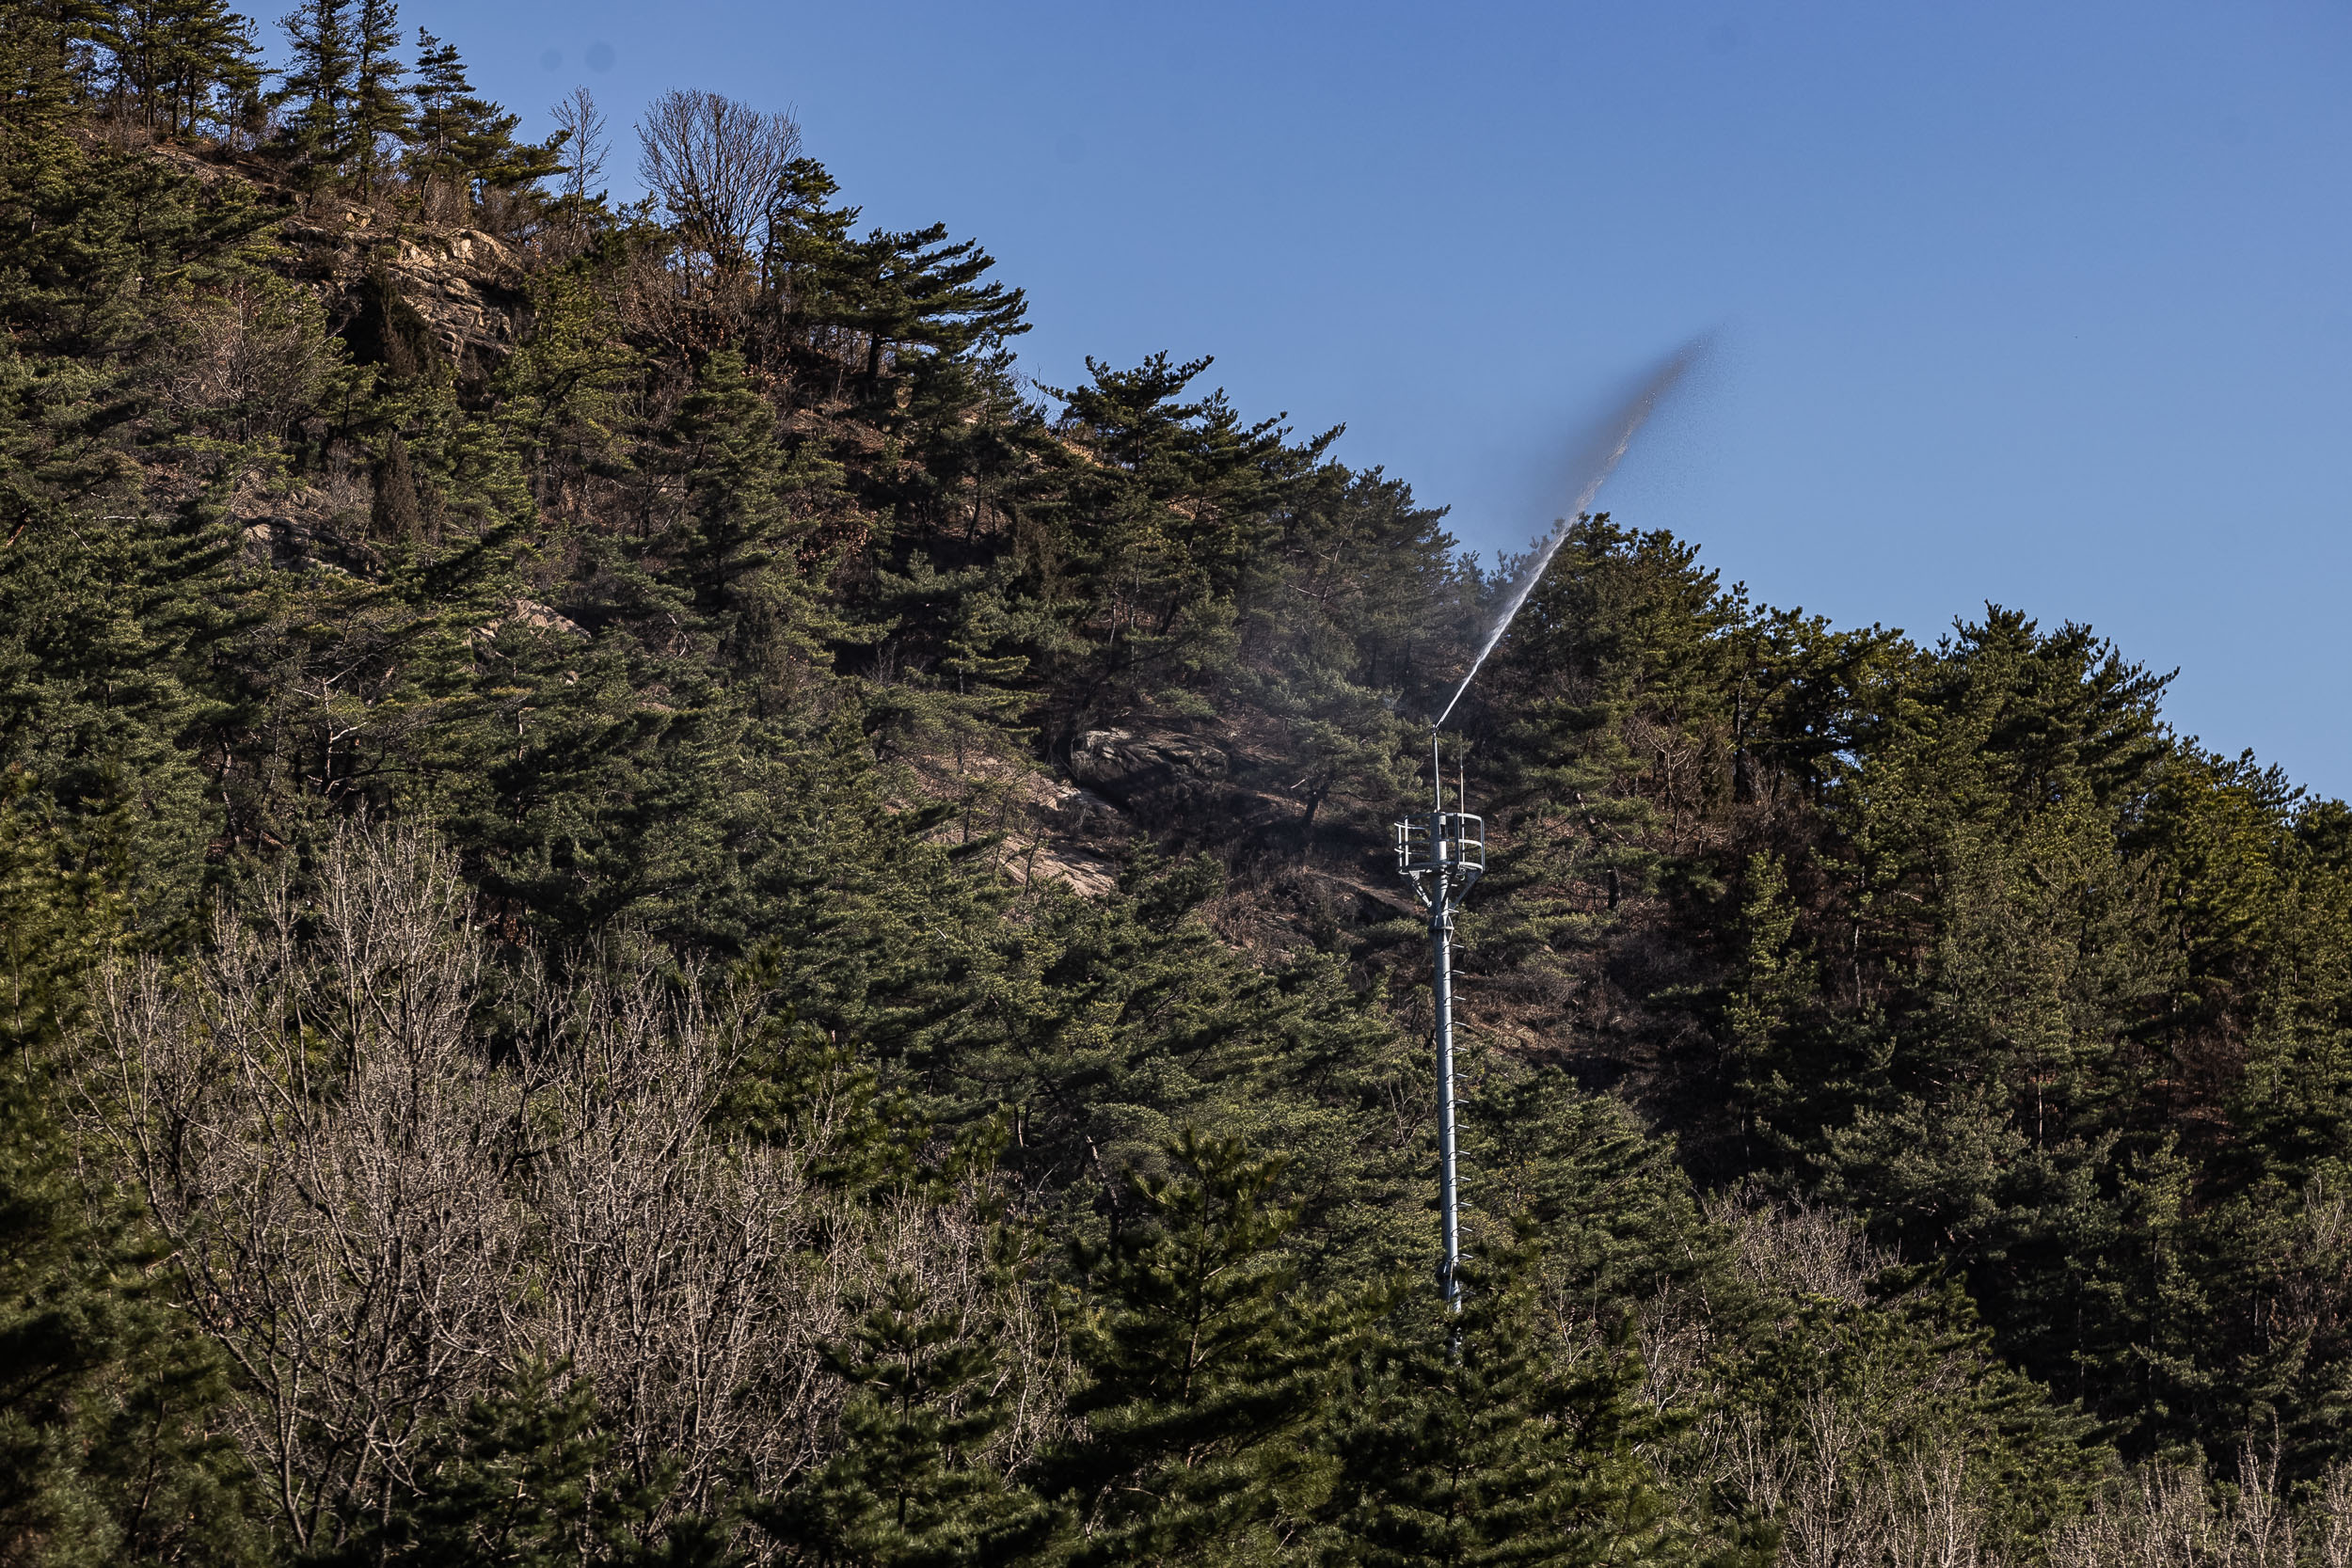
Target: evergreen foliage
x=113, y=1443
x=1893, y=1072
x=1474, y=1439
x=323, y=133
x=1204, y=1366
x=911, y=1483
x=526, y=1479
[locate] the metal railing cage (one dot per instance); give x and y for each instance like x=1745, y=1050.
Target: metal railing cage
x=1444, y=847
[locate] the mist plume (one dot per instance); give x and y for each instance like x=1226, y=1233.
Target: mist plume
x=1594, y=461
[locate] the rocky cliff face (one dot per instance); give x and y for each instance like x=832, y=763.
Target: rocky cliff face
x=466, y=286
x=1159, y=768
x=414, y=299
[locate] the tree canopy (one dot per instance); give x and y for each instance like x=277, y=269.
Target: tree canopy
x=654, y=912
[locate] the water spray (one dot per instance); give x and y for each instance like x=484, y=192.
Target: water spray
x=1593, y=464
x=1441, y=856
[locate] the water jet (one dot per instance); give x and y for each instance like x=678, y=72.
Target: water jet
x=1441, y=856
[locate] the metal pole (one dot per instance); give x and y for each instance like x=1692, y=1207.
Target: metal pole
x=1441, y=953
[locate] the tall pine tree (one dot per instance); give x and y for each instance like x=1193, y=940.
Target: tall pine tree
x=1206, y=1371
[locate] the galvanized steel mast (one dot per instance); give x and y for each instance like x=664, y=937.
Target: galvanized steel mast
x=1439, y=857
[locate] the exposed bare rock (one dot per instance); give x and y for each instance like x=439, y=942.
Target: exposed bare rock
x=470, y=289
x=1083, y=871
x=1076, y=809
x=1127, y=766
x=311, y=529
x=468, y=286
x=532, y=616
x=539, y=617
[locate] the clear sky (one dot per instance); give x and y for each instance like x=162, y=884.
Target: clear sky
x=2049, y=304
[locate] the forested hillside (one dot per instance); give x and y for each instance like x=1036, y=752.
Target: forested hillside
x=656, y=912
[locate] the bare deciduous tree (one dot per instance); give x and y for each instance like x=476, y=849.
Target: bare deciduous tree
x=380, y=1210
x=1856, y=1474
x=1798, y=1248
x=306, y=1125
x=1853, y=1470
x=584, y=147
x=2170, y=1516
x=718, y=166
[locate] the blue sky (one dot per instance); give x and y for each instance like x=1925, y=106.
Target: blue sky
x=2046, y=304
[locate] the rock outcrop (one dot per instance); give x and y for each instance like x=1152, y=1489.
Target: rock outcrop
x=468, y=288
x=531, y=615
x=1137, y=767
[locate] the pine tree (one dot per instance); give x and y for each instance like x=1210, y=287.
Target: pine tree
x=808, y=266
x=1205, y=1370
x=1479, y=1438
x=378, y=112
x=1610, y=1213
x=1358, y=620
x=915, y=290
x=745, y=494
x=962, y=626
x=174, y=59
x=559, y=393
x=886, y=297
x=463, y=148
x=498, y=164
x=113, y=1445
x=1167, y=520
x=1913, y=1367
x=912, y=1482
x=41, y=75
x=438, y=88
x=112, y=1440
x=96, y=705
x=1773, y=983
x=527, y=1479
x=322, y=82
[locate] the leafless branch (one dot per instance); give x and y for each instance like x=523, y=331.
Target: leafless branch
x=718, y=167
x=379, y=1209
